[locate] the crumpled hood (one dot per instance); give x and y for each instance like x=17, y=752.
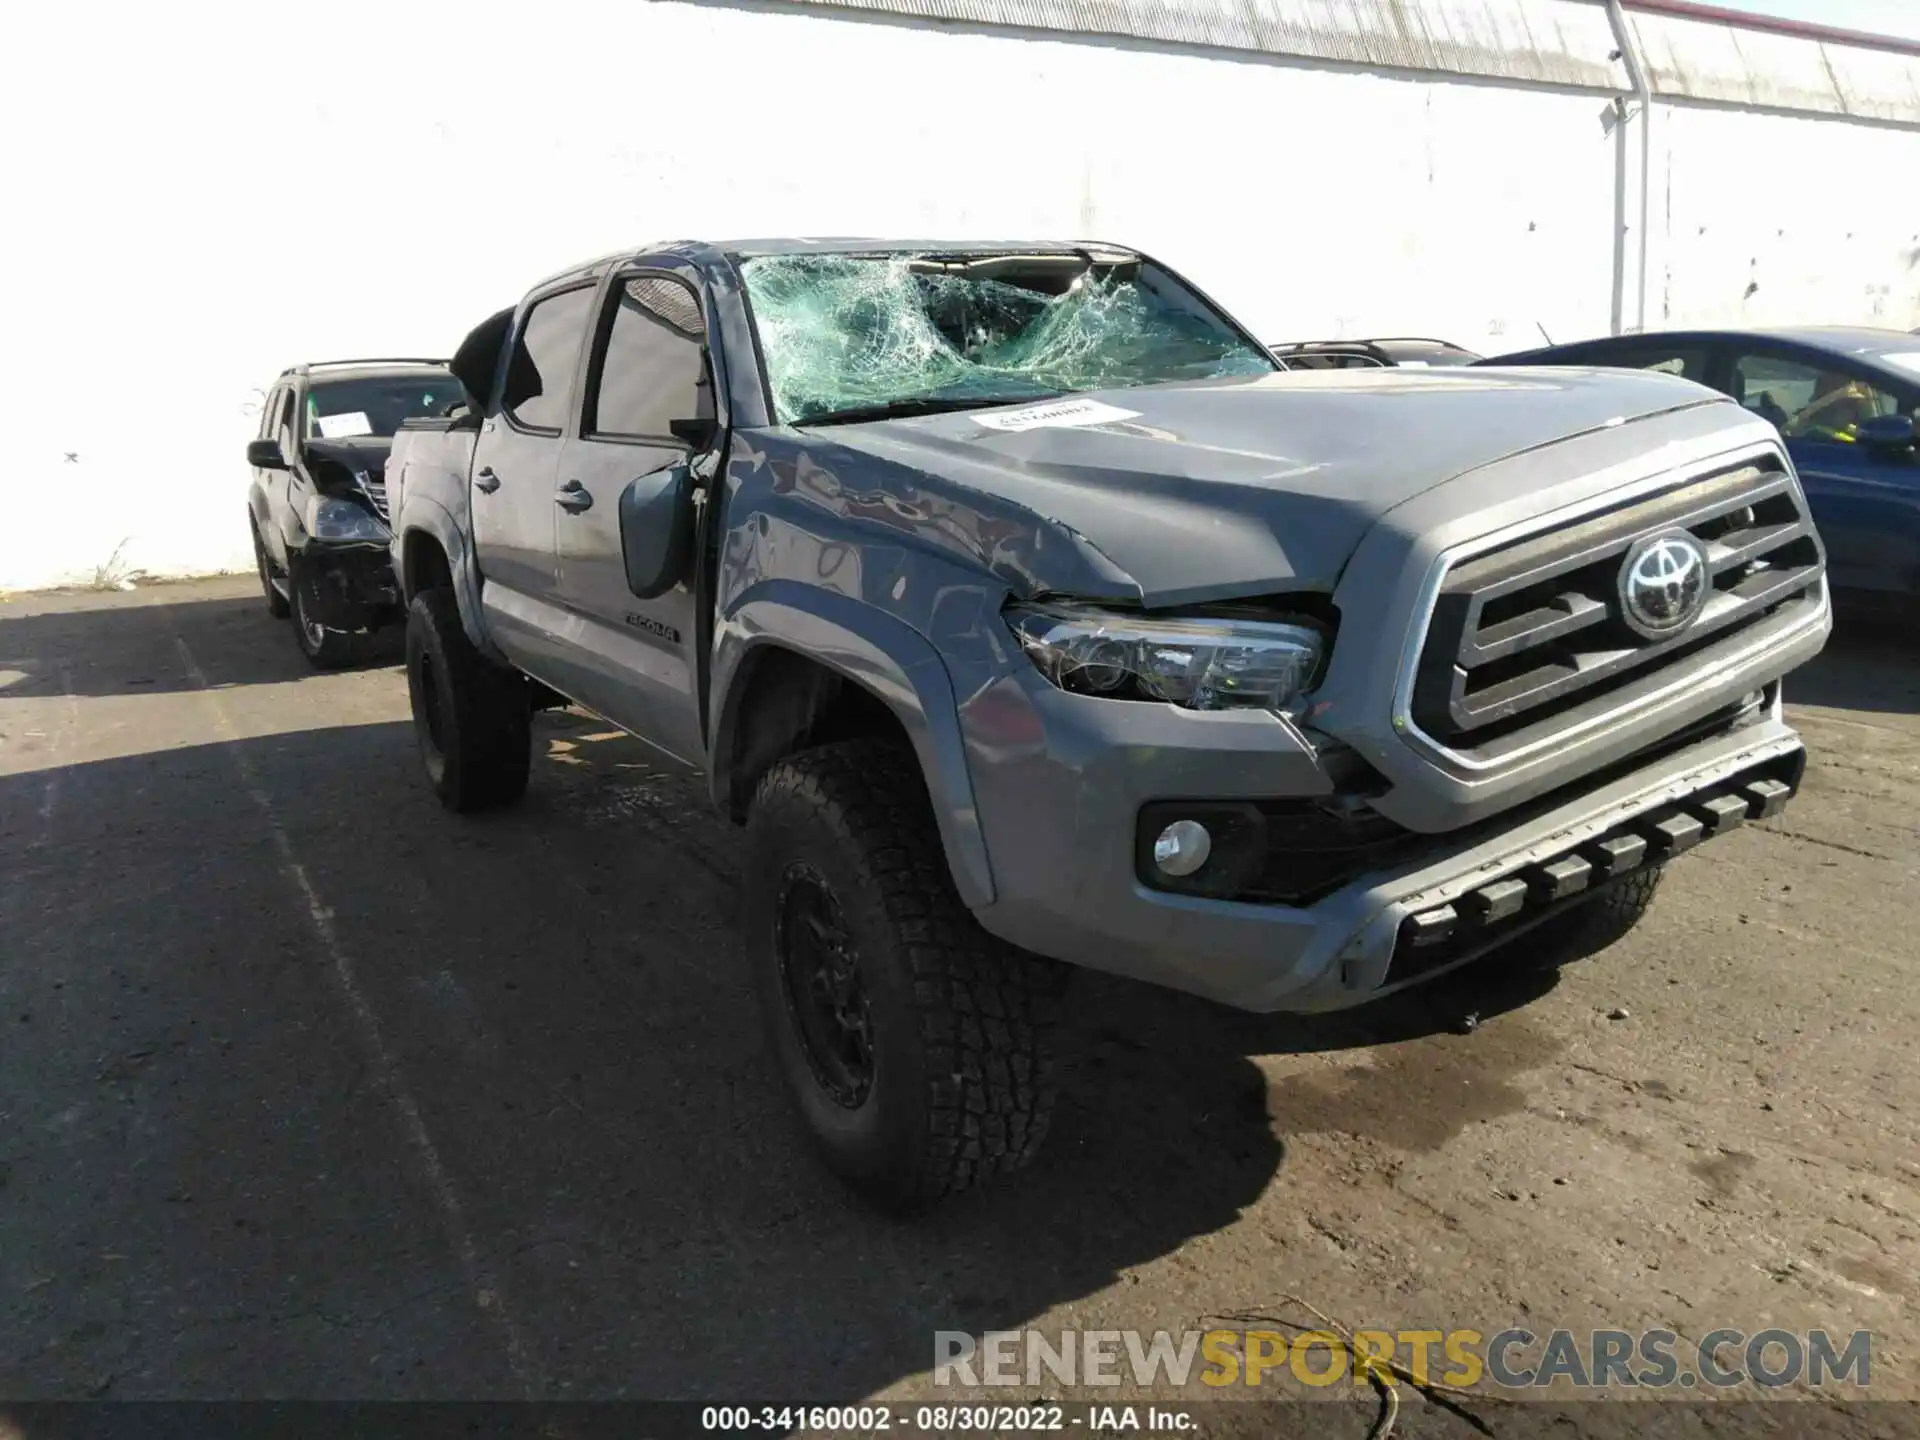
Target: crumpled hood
x=1209, y=489
x=356, y=452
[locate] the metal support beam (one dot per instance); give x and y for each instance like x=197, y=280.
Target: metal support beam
x=1625, y=38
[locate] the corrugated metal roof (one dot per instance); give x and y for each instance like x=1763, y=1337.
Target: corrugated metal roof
x=1716, y=61
x=1549, y=42
x=1569, y=43
x=1807, y=29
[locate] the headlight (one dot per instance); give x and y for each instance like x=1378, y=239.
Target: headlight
x=1200, y=663
x=331, y=518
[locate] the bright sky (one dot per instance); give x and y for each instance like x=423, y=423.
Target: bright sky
x=1885, y=17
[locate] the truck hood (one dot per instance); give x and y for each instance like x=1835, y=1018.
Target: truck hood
x=1182, y=493
x=356, y=452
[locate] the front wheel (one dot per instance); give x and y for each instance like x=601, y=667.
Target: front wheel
x=917, y=1047
x=325, y=647
x=1590, y=926
x=470, y=716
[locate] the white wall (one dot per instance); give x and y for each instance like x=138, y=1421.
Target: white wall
x=1814, y=215
x=210, y=195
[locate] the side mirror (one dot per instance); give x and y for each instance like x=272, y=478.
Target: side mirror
x=656, y=529
x=698, y=434
x=1886, y=432
x=265, y=455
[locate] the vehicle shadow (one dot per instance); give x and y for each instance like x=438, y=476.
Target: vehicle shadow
x=101, y=644
x=325, y=1093
x=558, y=995
x=1868, y=665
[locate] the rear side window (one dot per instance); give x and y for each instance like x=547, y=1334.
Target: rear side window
x=546, y=354
x=652, y=369
x=1691, y=364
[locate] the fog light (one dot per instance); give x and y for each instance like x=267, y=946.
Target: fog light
x=1182, y=847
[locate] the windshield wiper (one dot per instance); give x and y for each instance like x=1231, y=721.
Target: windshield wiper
x=922, y=405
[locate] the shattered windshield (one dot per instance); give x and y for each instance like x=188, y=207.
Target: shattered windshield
x=851, y=336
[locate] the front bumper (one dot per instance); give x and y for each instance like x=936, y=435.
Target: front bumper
x=1059, y=816
x=348, y=587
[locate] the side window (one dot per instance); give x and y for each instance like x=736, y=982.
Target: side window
x=651, y=369
x=1690, y=364
x=269, y=414
x=546, y=353
x=283, y=427
x=1808, y=402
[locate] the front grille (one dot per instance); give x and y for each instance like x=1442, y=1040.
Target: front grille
x=1528, y=632
x=1312, y=849
x=373, y=484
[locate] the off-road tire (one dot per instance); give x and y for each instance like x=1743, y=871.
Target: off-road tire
x=470, y=715
x=962, y=1025
x=324, y=647
x=1592, y=925
x=277, y=604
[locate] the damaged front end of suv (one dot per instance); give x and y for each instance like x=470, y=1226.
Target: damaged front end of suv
x=319, y=500
x=345, y=562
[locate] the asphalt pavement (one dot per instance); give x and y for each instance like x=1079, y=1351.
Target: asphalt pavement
x=310, y=1089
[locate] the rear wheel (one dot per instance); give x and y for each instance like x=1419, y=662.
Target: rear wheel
x=470, y=716
x=917, y=1047
x=270, y=583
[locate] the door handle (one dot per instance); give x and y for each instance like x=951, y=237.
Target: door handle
x=572, y=497
x=486, y=480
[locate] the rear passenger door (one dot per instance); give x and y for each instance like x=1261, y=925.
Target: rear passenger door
x=633, y=660
x=514, y=461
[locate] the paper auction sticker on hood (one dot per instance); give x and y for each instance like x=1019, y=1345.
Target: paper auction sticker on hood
x=1056, y=414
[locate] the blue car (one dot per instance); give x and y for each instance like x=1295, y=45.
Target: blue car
x=1845, y=400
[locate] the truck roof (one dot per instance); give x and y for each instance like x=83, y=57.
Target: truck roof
x=698, y=250
x=868, y=245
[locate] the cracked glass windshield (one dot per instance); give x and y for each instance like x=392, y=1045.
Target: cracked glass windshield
x=858, y=337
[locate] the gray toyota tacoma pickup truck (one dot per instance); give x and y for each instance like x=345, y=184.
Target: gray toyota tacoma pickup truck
x=1025, y=612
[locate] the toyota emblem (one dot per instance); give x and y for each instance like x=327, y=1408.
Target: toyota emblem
x=1663, y=584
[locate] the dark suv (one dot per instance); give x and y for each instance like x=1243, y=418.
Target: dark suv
x=317, y=505
x=1412, y=352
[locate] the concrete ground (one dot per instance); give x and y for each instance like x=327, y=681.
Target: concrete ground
x=309, y=1089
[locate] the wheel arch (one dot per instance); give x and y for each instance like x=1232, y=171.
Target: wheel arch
x=796, y=666
x=429, y=550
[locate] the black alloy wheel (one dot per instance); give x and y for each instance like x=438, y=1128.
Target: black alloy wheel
x=825, y=993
